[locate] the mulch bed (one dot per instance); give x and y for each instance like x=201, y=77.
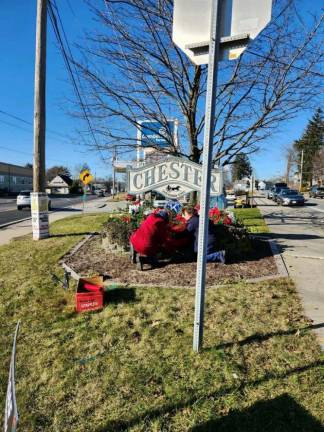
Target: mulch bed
x=92, y=259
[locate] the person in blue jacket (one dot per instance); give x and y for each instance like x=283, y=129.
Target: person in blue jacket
x=190, y=214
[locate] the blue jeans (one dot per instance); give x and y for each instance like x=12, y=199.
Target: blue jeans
x=215, y=257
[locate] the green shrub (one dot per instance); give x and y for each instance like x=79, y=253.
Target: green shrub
x=118, y=231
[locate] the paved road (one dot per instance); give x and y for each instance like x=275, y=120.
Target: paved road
x=9, y=212
x=299, y=232
x=98, y=205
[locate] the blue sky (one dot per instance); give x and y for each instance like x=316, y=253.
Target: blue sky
x=17, y=43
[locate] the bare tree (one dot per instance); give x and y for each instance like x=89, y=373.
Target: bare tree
x=290, y=157
x=318, y=167
x=131, y=71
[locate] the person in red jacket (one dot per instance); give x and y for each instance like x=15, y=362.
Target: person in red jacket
x=150, y=237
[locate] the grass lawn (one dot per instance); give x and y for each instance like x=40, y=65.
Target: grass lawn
x=252, y=219
x=131, y=366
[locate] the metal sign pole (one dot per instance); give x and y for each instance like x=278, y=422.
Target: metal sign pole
x=206, y=173
x=11, y=411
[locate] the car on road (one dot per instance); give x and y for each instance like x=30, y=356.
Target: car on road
x=130, y=197
x=23, y=200
x=100, y=192
x=159, y=200
x=290, y=197
x=277, y=191
x=275, y=188
x=316, y=192
x=270, y=192
x=230, y=197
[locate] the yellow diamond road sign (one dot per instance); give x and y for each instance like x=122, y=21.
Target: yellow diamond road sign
x=86, y=177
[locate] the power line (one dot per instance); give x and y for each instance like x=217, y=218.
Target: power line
x=28, y=131
x=54, y=21
x=29, y=123
x=15, y=126
x=30, y=154
x=58, y=36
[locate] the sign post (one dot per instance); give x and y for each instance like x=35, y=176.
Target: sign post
x=86, y=177
x=208, y=31
x=11, y=412
x=206, y=171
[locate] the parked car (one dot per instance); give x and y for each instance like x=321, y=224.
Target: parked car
x=270, y=192
x=100, y=192
x=316, y=192
x=230, y=197
x=130, y=197
x=23, y=200
x=290, y=197
x=159, y=200
x=277, y=190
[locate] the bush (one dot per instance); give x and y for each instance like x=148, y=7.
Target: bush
x=234, y=239
x=118, y=231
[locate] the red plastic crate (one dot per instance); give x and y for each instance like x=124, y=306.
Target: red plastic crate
x=89, y=300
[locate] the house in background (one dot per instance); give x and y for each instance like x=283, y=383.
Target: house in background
x=15, y=178
x=59, y=185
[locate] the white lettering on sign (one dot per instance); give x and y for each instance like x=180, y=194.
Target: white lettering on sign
x=175, y=176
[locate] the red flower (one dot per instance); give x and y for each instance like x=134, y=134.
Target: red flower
x=227, y=220
x=214, y=213
x=126, y=219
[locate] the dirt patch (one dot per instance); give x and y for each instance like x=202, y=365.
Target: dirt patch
x=92, y=259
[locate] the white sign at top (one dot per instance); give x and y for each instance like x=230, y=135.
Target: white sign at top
x=192, y=20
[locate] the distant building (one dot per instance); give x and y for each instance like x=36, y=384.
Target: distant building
x=15, y=178
x=262, y=185
x=59, y=185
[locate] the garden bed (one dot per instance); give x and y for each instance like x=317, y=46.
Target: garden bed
x=91, y=258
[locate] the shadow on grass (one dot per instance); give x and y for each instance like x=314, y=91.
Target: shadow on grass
x=258, y=337
x=171, y=408
x=120, y=295
x=65, y=209
x=282, y=414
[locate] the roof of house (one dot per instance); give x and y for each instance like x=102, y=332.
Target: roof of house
x=65, y=179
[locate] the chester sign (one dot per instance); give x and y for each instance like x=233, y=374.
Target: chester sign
x=173, y=177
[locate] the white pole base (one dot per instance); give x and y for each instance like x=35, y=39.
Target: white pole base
x=39, y=211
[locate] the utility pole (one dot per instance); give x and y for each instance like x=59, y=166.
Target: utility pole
x=39, y=203
x=301, y=171
x=114, y=172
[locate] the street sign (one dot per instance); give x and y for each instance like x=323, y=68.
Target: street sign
x=11, y=412
x=173, y=177
x=154, y=133
x=153, y=136
x=241, y=21
x=86, y=177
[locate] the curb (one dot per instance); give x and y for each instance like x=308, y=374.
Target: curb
x=281, y=265
x=14, y=222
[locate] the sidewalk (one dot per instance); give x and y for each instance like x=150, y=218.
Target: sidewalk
x=100, y=205
x=300, y=236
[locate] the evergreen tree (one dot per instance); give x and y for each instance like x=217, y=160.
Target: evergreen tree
x=241, y=167
x=311, y=142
